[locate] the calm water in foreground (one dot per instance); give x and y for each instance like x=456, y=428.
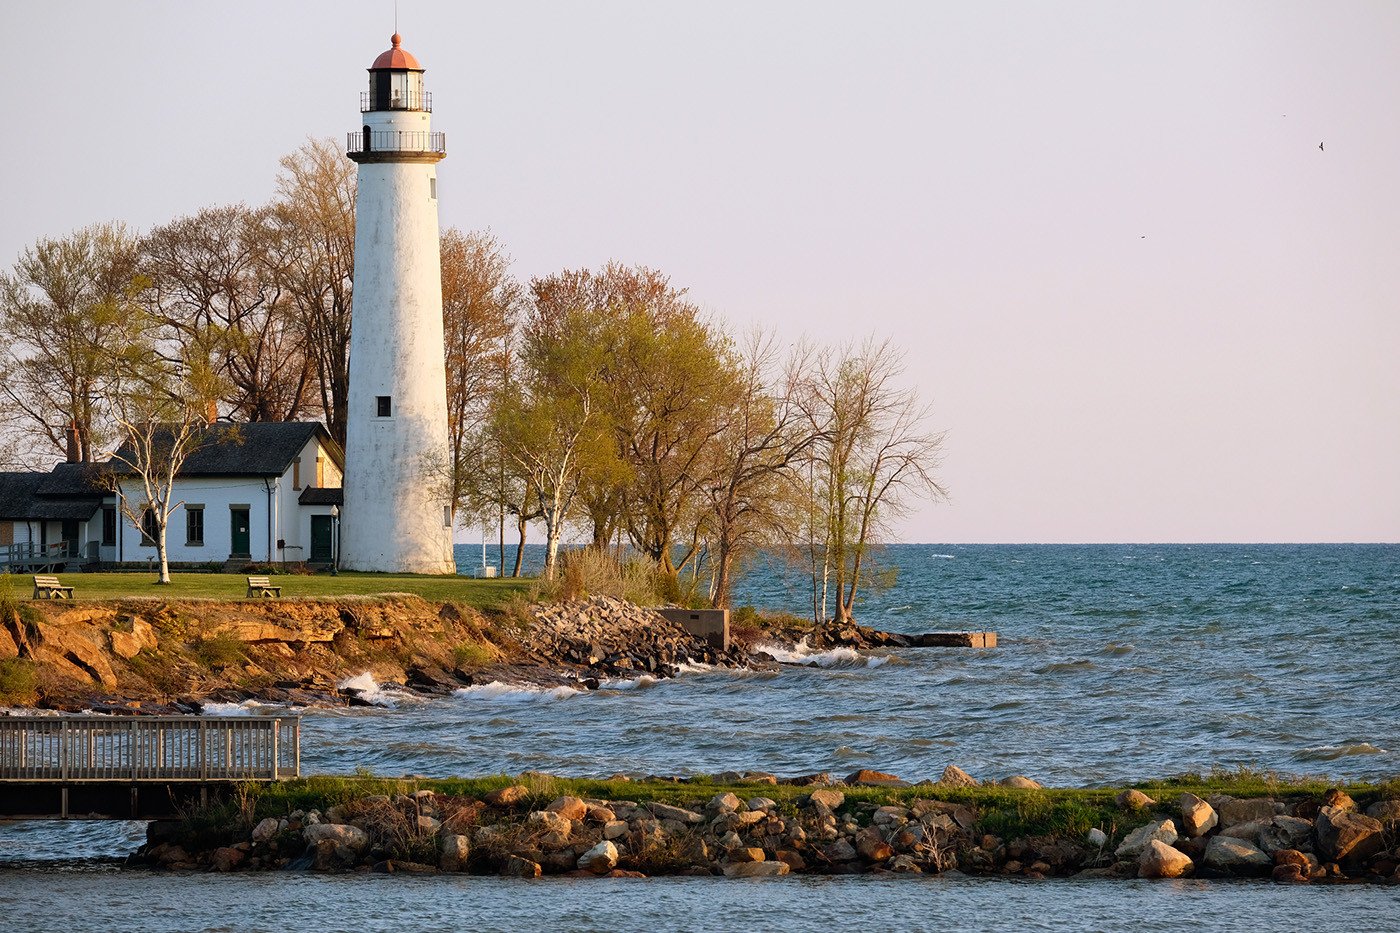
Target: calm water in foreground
x=1116, y=663
x=88, y=902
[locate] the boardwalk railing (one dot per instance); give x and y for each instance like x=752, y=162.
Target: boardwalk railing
x=149, y=748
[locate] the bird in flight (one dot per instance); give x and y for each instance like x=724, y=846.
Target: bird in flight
x=1319, y=145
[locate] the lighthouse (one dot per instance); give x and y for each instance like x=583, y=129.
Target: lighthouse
x=397, y=513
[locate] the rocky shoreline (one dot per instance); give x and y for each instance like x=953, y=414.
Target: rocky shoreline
x=153, y=657
x=757, y=826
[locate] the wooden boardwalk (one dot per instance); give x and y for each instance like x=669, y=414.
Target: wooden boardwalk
x=139, y=767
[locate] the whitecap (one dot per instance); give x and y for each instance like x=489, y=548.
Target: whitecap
x=942, y=557
x=245, y=708
x=803, y=654
x=514, y=693
x=639, y=683
x=1333, y=752
x=370, y=691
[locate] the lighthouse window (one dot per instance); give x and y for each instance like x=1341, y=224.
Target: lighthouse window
x=382, y=406
x=432, y=188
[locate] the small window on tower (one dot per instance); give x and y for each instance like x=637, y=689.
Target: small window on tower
x=432, y=188
x=382, y=406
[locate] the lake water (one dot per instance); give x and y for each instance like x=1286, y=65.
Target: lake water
x=1116, y=663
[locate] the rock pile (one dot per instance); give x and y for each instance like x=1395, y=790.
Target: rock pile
x=1226, y=837
x=513, y=832
x=613, y=638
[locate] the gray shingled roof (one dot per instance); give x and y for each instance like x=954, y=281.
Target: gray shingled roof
x=74, y=479
x=20, y=500
x=261, y=448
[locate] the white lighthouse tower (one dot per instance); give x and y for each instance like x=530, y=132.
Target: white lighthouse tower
x=397, y=516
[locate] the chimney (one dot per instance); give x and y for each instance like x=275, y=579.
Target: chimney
x=211, y=411
x=74, y=448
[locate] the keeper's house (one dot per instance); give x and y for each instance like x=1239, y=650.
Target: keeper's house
x=266, y=492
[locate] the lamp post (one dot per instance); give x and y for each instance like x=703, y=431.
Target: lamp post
x=335, y=540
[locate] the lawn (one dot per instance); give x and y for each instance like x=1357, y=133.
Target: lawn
x=468, y=590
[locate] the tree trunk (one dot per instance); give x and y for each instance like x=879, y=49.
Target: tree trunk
x=552, y=531
x=724, y=563
x=522, y=524
x=161, y=554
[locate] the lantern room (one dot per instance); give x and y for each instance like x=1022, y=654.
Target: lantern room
x=395, y=82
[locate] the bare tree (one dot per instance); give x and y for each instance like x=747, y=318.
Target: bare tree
x=162, y=416
x=315, y=213
x=68, y=313
x=480, y=302
x=219, y=288
x=875, y=456
x=763, y=438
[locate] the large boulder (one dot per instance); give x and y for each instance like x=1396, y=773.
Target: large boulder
x=517, y=867
x=338, y=834
x=1387, y=811
x=773, y=869
x=1286, y=832
x=872, y=846
x=568, y=807
x=827, y=797
x=600, y=859
x=550, y=821
x=1234, y=811
x=1197, y=816
x=1234, y=856
x=664, y=811
x=1020, y=782
x=1248, y=831
x=454, y=852
x=1347, y=835
x=1159, y=860
x=512, y=796
x=953, y=776
x=867, y=778
x=1132, y=845
x=1134, y=800
x=724, y=803
x=266, y=829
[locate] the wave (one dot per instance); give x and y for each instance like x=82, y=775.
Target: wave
x=372, y=692
x=803, y=654
x=1062, y=666
x=1333, y=752
x=942, y=557
x=244, y=708
x=514, y=693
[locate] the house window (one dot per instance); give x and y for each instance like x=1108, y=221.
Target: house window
x=382, y=406
x=149, y=531
x=296, y=473
x=320, y=470
x=194, y=525
x=109, y=526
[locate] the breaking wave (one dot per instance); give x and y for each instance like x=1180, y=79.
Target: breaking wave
x=514, y=693
x=803, y=654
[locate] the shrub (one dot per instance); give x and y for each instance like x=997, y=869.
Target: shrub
x=472, y=654
x=19, y=682
x=218, y=652
x=593, y=571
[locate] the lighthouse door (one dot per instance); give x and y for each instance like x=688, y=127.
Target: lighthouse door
x=366, y=147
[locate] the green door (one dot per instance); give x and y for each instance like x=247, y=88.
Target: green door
x=241, y=546
x=321, y=539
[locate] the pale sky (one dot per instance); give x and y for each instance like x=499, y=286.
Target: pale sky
x=1142, y=302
